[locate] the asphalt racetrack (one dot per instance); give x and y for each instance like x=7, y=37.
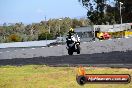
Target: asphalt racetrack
x=108, y=53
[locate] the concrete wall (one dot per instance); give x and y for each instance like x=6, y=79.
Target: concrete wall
x=26, y=44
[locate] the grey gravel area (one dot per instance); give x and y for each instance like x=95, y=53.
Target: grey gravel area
x=116, y=52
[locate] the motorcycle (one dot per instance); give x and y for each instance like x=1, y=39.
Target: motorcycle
x=73, y=44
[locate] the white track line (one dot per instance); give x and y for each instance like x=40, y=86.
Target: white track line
x=84, y=42
x=126, y=37
x=7, y=51
x=23, y=49
x=51, y=46
x=15, y=50
x=1, y=52
x=33, y=48
x=42, y=47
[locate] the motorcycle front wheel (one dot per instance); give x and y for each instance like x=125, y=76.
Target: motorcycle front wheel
x=78, y=49
x=70, y=52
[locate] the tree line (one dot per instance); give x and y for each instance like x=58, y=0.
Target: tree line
x=108, y=11
x=45, y=30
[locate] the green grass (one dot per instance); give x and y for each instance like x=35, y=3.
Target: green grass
x=41, y=76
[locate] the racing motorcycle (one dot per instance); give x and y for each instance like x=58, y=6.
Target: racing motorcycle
x=73, y=44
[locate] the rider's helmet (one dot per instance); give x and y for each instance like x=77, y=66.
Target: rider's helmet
x=71, y=30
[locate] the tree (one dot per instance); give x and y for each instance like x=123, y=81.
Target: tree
x=95, y=10
x=101, y=12
x=39, y=31
x=14, y=38
x=126, y=10
x=45, y=36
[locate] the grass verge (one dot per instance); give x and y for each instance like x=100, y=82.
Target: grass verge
x=41, y=76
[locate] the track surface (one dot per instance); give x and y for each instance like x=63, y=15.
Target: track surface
x=112, y=59
x=110, y=53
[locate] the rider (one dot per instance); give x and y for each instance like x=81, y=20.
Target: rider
x=70, y=33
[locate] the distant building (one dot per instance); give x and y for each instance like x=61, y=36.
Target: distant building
x=90, y=32
x=85, y=33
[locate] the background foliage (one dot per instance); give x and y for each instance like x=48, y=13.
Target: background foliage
x=50, y=29
x=107, y=11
